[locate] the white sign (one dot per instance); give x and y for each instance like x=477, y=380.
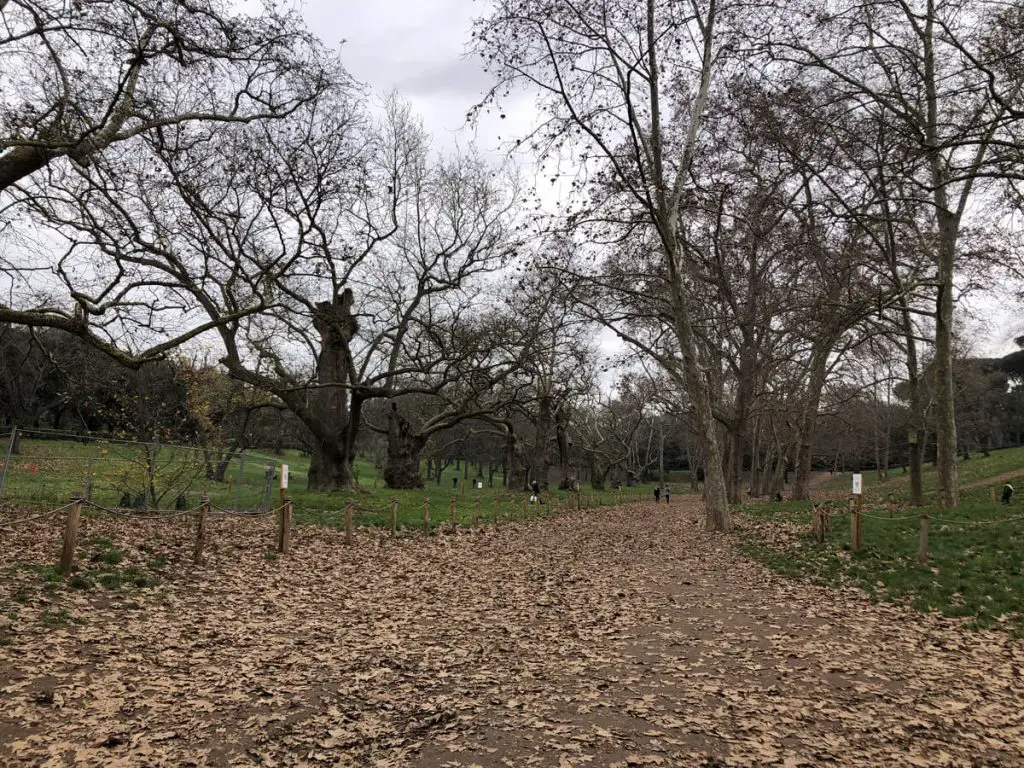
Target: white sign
x=858, y=484
x=284, y=476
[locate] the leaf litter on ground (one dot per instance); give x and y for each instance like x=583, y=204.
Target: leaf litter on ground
x=623, y=637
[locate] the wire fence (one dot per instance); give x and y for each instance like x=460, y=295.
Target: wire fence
x=46, y=467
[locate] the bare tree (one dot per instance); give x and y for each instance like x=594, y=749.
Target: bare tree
x=624, y=86
x=79, y=77
x=942, y=84
x=331, y=254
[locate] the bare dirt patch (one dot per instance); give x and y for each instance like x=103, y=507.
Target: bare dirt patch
x=621, y=637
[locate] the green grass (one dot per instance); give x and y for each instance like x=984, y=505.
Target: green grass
x=973, y=570
x=50, y=472
x=972, y=470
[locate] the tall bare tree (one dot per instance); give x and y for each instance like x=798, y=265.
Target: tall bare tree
x=624, y=86
x=935, y=71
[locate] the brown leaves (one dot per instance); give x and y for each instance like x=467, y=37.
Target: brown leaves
x=622, y=638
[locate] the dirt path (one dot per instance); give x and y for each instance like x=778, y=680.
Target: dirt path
x=625, y=638
x=996, y=480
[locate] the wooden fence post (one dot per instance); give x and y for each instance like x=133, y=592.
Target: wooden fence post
x=426, y=514
x=348, y=522
x=67, y=555
x=204, y=508
x=284, y=527
x=922, y=544
x=451, y=513
x=855, y=525
x=992, y=493
x=494, y=511
x=394, y=514
x=476, y=511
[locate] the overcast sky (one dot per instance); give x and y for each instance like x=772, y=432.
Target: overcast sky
x=419, y=47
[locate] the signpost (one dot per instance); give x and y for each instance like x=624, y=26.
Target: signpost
x=858, y=487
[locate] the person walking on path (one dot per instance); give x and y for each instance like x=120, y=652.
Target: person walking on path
x=657, y=494
x=668, y=494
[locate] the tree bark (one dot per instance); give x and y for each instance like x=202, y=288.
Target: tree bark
x=515, y=472
x=945, y=411
x=807, y=424
x=333, y=424
x=404, y=447
x=540, y=460
x=330, y=466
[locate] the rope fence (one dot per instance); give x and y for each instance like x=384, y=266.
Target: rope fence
x=823, y=514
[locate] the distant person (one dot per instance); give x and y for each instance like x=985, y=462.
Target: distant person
x=668, y=494
x=657, y=494
x=455, y=483
x=535, y=492
x=1007, y=493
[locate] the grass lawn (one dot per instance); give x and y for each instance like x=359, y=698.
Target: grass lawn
x=975, y=555
x=50, y=472
x=972, y=470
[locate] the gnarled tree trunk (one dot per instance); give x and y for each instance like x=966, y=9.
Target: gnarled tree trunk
x=331, y=422
x=404, y=447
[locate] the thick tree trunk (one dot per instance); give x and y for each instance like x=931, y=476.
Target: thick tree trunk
x=540, y=460
x=515, y=474
x=404, y=447
x=568, y=478
x=330, y=466
x=333, y=425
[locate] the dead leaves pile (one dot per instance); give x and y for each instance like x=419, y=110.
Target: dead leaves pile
x=613, y=638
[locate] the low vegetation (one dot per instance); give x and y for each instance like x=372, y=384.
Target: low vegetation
x=975, y=554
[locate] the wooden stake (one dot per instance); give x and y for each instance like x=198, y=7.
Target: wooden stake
x=451, y=512
x=922, y=544
x=348, y=522
x=394, y=515
x=204, y=508
x=992, y=493
x=476, y=511
x=67, y=555
x=855, y=525
x=284, y=527
x=494, y=511
x=426, y=514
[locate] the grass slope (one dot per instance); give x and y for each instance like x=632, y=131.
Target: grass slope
x=975, y=555
x=976, y=469
x=50, y=472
